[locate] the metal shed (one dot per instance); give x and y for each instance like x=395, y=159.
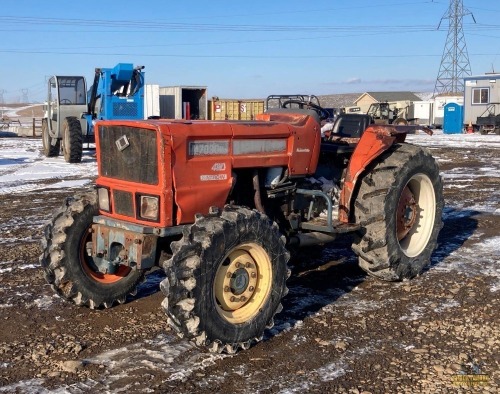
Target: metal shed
x=183, y=102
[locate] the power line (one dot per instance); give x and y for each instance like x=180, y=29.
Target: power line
x=231, y=56
x=127, y=23
x=248, y=56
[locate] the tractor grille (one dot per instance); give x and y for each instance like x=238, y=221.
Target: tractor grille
x=123, y=203
x=125, y=110
x=128, y=153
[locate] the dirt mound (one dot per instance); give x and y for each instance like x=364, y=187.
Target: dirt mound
x=35, y=111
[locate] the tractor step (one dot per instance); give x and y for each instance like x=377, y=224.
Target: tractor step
x=336, y=227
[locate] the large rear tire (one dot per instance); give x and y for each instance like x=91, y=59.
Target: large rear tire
x=49, y=150
x=399, y=206
x=72, y=140
x=68, y=266
x=226, y=279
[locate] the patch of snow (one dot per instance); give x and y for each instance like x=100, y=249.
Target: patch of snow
x=417, y=313
x=456, y=140
x=165, y=353
x=23, y=168
x=44, y=302
x=480, y=259
x=28, y=386
x=331, y=371
x=20, y=267
x=447, y=305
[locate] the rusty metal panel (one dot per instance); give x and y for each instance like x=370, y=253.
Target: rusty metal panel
x=138, y=249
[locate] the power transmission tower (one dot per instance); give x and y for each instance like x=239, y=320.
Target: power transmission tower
x=455, y=63
x=2, y=91
x=25, y=95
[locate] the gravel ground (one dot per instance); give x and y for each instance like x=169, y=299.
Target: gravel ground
x=340, y=332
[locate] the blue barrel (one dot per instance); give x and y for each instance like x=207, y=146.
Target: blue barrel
x=453, y=122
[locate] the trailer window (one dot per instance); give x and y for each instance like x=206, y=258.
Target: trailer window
x=480, y=96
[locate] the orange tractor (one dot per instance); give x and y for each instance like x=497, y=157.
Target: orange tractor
x=218, y=205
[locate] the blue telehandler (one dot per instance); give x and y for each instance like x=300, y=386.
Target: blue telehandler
x=71, y=112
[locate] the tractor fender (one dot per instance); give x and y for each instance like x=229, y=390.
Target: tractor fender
x=375, y=140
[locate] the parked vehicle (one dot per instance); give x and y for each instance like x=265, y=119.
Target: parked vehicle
x=385, y=113
x=70, y=114
x=488, y=122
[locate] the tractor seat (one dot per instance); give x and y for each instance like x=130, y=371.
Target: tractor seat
x=347, y=131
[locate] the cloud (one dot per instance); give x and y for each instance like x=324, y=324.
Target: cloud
x=353, y=81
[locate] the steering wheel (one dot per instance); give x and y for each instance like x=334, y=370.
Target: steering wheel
x=323, y=113
x=65, y=101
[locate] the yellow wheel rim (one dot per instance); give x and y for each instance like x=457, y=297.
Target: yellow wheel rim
x=243, y=283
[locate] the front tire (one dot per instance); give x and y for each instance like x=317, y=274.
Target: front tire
x=399, y=206
x=72, y=140
x=49, y=150
x=68, y=266
x=226, y=279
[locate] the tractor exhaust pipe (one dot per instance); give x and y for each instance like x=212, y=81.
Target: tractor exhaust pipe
x=256, y=187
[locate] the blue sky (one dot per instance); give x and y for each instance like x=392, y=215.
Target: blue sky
x=241, y=49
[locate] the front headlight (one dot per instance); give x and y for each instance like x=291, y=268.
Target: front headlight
x=149, y=208
x=103, y=198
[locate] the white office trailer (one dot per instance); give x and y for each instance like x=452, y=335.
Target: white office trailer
x=482, y=99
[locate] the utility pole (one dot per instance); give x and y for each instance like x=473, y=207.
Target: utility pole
x=455, y=63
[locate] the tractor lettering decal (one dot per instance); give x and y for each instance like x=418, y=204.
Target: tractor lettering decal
x=244, y=147
x=217, y=177
x=208, y=148
x=219, y=167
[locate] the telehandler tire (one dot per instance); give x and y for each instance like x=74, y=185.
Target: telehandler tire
x=69, y=268
x=72, y=141
x=225, y=279
x=48, y=149
x=399, y=206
